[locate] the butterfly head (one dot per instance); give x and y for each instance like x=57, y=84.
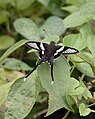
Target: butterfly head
x=52, y=43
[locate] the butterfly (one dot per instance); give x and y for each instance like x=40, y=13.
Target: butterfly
x=49, y=53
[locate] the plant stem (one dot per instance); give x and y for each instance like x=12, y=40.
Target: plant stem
x=66, y=115
x=91, y=105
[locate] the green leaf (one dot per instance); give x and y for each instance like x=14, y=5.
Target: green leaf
x=87, y=57
x=4, y=16
x=44, y=2
x=75, y=91
x=69, y=8
x=86, y=30
x=4, y=89
x=91, y=43
x=85, y=13
x=22, y=4
x=14, y=64
x=22, y=97
x=6, y=41
x=75, y=40
x=3, y=3
x=54, y=103
x=86, y=93
x=2, y=111
x=52, y=38
x=71, y=101
x=71, y=92
x=82, y=65
x=76, y=2
x=27, y=28
x=54, y=7
x=78, y=91
x=83, y=110
x=9, y=75
x=85, y=68
x=62, y=82
x=53, y=26
x=88, y=34
x=12, y=48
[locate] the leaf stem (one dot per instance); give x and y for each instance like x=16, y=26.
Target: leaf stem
x=66, y=115
x=91, y=105
x=73, y=67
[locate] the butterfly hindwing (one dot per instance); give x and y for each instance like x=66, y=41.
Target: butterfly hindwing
x=64, y=50
x=69, y=50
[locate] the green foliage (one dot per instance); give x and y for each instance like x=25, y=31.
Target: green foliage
x=22, y=4
x=3, y=16
x=13, y=48
x=84, y=14
x=27, y=28
x=55, y=24
x=4, y=88
x=27, y=19
x=22, y=97
x=6, y=41
x=14, y=64
x=84, y=110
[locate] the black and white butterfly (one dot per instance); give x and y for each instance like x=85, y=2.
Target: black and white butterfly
x=48, y=53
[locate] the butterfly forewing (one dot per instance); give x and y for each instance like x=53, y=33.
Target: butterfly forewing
x=36, y=45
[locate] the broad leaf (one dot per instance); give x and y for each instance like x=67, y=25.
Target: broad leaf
x=91, y=43
x=62, y=82
x=85, y=13
x=76, y=2
x=3, y=16
x=22, y=97
x=75, y=40
x=4, y=89
x=54, y=7
x=83, y=110
x=6, y=41
x=82, y=66
x=12, y=48
x=22, y=4
x=85, y=68
x=2, y=113
x=9, y=75
x=27, y=28
x=87, y=57
x=88, y=35
x=70, y=8
x=14, y=64
x=53, y=26
x=86, y=93
x=52, y=38
x=3, y=3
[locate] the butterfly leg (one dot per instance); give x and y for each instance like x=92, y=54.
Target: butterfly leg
x=32, y=70
x=51, y=64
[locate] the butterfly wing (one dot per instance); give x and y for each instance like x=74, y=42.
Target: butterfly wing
x=34, y=45
x=69, y=50
x=41, y=47
x=65, y=50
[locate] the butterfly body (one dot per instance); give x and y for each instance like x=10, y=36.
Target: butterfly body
x=49, y=52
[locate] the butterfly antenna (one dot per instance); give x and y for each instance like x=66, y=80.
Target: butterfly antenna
x=47, y=34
